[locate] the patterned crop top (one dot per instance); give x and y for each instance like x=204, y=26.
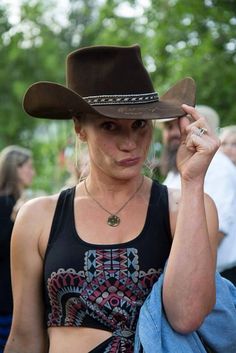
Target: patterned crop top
x=104, y=286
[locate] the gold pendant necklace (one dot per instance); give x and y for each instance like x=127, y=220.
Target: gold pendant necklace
x=113, y=220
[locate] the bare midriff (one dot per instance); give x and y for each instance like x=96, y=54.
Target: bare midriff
x=75, y=339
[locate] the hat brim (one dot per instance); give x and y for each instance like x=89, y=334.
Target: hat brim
x=54, y=101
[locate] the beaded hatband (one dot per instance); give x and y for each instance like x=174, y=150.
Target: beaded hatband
x=107, y=99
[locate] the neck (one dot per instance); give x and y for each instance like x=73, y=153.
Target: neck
x=112, y=187
x=113, y=219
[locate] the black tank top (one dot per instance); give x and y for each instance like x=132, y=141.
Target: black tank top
x=104, y=286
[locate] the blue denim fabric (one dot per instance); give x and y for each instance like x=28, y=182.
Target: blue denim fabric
x=155, y=335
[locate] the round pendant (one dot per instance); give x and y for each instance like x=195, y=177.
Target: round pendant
x=113, y=220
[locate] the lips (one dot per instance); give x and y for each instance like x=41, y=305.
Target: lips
x=128, y=162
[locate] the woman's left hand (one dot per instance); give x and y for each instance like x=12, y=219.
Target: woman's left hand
x=198, y=145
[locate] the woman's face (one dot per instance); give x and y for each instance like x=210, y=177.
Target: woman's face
x=228, y=146
x=26, y=173
x=117, y=147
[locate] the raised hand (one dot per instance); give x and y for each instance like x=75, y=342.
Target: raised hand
x=198, y=145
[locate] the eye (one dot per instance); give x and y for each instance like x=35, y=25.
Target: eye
x=108, y=126
x=139, y=124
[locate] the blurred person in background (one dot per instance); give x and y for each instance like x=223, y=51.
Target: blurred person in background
x=16, y=174
x=220, y=184
x=228, y=142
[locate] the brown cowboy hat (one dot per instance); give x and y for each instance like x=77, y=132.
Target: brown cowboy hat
x=107, y=81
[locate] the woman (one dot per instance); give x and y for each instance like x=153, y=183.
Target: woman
x=103, y=244
x=228, y=142
x=16, y=173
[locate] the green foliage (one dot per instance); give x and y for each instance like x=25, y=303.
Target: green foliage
x=178, y=38
x=48, y=146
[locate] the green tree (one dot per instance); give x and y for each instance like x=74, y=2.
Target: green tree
x=196, y=39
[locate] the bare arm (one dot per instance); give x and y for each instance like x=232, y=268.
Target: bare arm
x=28, y=333
x=189, y=284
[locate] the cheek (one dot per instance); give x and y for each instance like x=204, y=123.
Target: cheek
x=101, y=152
x=103, y=144
x=26, y=175
x=146, y=138
x=108, y=149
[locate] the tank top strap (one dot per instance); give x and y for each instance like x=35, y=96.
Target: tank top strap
x=158, y=211
x=159, y=196
x=63, y=214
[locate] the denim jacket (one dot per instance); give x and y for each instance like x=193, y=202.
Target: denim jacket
x=155, y=335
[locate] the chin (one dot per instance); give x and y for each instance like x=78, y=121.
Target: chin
x=128, y=174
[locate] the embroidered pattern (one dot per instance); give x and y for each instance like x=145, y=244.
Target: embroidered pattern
x=122, y=99
x=110, y=289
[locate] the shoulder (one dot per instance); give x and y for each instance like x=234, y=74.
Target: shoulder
x=39, y=206
x=35, y=216
x=175, y=200
x=32, y=225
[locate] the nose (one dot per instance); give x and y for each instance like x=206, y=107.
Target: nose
x=127, y=142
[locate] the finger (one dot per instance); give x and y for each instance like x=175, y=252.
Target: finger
x=192, y=111
x=184, y=123
x=197, y=120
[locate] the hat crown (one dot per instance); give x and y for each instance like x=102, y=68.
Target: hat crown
x=107, y=70
x=108, y=81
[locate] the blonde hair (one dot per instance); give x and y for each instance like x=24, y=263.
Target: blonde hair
x=81, y=159
x=11, y=158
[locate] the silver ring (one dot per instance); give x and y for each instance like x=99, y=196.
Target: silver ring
x=201, y=131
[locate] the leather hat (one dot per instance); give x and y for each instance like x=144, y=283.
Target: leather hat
x=108, y=81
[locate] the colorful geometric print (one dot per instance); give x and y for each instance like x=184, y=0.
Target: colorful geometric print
x=110, y=290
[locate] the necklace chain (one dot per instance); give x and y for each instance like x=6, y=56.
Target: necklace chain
x=113, y=220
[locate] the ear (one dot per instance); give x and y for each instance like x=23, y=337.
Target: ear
x=79, y=129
